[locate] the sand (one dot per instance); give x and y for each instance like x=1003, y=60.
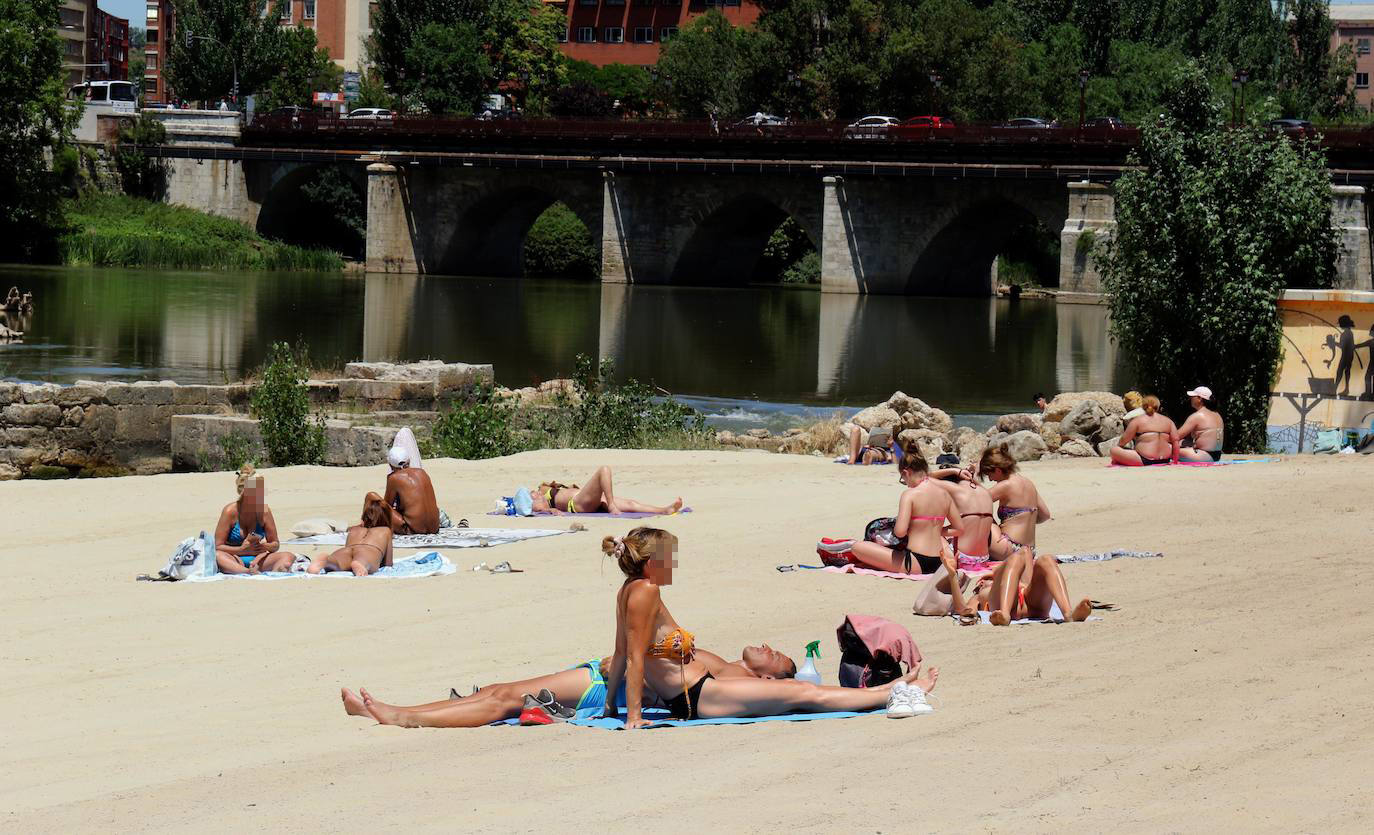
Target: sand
x=1233, y=688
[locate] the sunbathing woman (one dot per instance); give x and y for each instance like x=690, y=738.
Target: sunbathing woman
x=1019, y=507
x=1009, y=597
x=582, y=688
x=367, y=546
x=1155, y=437
x=652, y=650
x=877, y=450
x=259, y=550
x=597, y=496
x=922, y=513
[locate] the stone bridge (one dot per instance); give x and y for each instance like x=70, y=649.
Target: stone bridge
x=916, y=228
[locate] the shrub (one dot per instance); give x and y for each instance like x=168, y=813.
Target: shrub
x=1083, y=246
x=600, y=414
x=805, y=271
x=142, y=175
x=483, y=427
x=281, y=402
x=558, y=244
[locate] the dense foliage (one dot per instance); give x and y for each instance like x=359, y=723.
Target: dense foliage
x=1209, y=231
x=452, y=73
x=140, y=174
x=281, y=403
x=481, y=425
x=559, y=244
x=305, y=67
x=335, y=210
x=34, y=121
x=789, y=257
x=246, y=35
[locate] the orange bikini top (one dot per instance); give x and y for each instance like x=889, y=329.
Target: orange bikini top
x=677, y=645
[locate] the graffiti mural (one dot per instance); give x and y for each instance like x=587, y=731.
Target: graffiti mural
x=1327, y=377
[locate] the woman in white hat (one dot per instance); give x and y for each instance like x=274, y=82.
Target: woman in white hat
x=1201, y=432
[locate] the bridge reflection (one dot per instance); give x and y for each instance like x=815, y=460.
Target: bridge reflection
x=771, y=344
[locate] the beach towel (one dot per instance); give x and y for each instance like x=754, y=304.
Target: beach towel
x=1222, y=463
x=445, y=538
x=659, y=719
x=598, y=515
x=432, y=564
x=1056, y=616
x=1064, y=559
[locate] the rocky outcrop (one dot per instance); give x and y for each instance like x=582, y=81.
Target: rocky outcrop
x=875, y=417
x=1050, y=432
x=1076, y=448
x=1065, y=402
x=1019, y=422
x=1025, y=445
x=969, y=445
x=928, y=441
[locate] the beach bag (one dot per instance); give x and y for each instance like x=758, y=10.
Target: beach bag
x=193, y=558
x=524, y=503
x=859, y=665
x=881, y=532
x=932, y=602
x=1328, y=441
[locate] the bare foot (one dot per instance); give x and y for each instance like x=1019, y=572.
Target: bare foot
x=928, y=683
x=999, y=618
x=675, y=506
x=384, y=714
x=1081, y=611
x=353, y=705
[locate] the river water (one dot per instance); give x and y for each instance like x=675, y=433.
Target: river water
x=749, y=356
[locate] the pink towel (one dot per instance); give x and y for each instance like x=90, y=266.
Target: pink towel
x=882, y=634
x=872, y=572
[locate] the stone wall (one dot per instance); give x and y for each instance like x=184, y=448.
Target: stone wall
x=199, y=442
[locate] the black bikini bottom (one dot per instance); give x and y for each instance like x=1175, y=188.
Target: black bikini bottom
x=927, y=564
x=1149, y=462
x=684, y=705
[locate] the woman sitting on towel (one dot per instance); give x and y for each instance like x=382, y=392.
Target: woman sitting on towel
x=923, y=512
x=597, y=496
x=582, y=688
x=1154, y=435
x=652, y=650
x=1019, y=506
x=367, y=546
x=246, y=536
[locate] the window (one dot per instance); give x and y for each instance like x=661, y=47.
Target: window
x=152, y=12
x=1362, y=80
x=1362, y=46
x=615, y=2
x=587, y=2
x=286, y=10
x=150, y=85
x=644, y=34
x=72, y=18
x=667, y=33
x=150, y=61
x=309, y=10
x=586, y=34
x=150, y=37
x=615, y=34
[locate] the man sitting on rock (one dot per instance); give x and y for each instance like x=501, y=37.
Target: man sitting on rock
x=410, y=496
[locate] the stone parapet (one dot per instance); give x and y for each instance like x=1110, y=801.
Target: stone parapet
x=204, y=442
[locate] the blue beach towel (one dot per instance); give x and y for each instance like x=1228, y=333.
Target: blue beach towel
x=659, y=719
x=431, y=564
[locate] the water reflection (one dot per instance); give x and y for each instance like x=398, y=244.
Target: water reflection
x=780, y=345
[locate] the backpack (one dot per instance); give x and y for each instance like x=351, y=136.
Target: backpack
x=193, y=559
x=1328, y=441
x=858, y=666
x=880, y=531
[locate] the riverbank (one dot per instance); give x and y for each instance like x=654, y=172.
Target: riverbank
x=115, y=230
x=1201, y=687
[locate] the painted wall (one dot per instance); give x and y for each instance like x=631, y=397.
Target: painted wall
x=1327, y=377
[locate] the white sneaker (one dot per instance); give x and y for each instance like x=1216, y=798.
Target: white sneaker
x=916, y=699
x=899, y=704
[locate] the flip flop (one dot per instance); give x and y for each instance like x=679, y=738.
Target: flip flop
x=1106, y=607
x=968, y=620
x=504, y=568
x=463, y=523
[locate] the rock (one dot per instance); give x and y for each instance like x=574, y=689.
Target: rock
x=970, y=446
x=761, y=434
x=9, y=392
x=996, y=438
x=73, y=416
x=1104, y=448
x=793, y=432
x=1065, y=402
x=796, y=444
x=142, y=393
x=1050, y=432
x=81, y=393
x=1111, y=427
x=1084, y=419
x=876, y=416
x=901, y=403
x=9, y=472
x=928, y=441
x=1077, y=448
x=35, y=414
x=38, y=392
x=1019, y=422
x=1025, y=445
x=725, y=436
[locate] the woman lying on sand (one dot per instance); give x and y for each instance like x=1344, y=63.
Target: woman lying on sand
x=1154, y=435
x=922, y=513
x=878, y=450
x=581, y=688
x=597, y=496
x=259, y=550
x=652, y=650
x=367, y=546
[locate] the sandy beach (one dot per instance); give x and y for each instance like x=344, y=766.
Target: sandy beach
x=1234, y=689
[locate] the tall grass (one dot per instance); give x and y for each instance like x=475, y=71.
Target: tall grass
x=112, y=230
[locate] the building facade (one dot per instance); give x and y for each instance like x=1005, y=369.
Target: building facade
x=1355, y=26
x=107, y=42
x=341, y=26
x=633, y=31
x=71, y=28
x=160, y=28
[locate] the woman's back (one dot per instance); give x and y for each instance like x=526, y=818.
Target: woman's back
x=1018, y=507
x=1154, y=436
x=927, y=507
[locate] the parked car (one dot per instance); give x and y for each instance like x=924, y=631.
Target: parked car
x=760, y=119
x=1106, y=123
x=870, y=127
x=934, y=122
x=1028, y=123
x=372, y=113
x=1293, y=127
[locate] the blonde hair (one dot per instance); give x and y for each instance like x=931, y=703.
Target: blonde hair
x=997, y=457
x=1150, y=404
x=246, y=474
x=635, y=548
x=1131, y=400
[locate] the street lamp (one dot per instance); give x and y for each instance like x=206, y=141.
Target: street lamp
x=935, y=82
x=1242, y=78
x=1083, y=76
x=233, y=60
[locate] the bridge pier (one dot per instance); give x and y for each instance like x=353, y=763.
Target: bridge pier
x=1348, y=215
x=1092, y=209
x=390, y=234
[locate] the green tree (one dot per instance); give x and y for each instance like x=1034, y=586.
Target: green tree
x=559, y=244
x=701, y=69
x=453, y=74
x=142, y=175
x=246, y=34
x=1211, y=227
x=1316, y=81
x=305, y=69
x=34, y=121
x=372, y=91
x=281, y=402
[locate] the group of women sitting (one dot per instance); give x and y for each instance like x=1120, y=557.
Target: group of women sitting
x=1151, y=437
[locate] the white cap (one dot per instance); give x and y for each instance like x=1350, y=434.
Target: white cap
x=1201, y=391
x=398, y=458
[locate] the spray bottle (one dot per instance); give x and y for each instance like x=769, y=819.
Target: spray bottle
x=808, y=671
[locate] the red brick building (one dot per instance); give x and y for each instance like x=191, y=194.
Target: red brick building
x=1355, y=26
x=161, y=27
x=632, y=31
x=107, y=41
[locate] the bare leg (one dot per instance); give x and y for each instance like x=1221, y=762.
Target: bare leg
x=229, y=563
x=951, y=564
x=1125, y=457
x=502, y=703
x=855, y=445
x=567, y=687
x=877, y=556
x=771, y=697
x=597, y=491
x=1193, y=455
x=1047, y=584
x=1005, y=586
x=632, y=506
x=280, y=561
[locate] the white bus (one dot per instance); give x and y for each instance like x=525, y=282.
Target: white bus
x=106, y=96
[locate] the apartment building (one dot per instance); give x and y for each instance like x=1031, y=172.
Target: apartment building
x=1355, y=26
x=160, y=27
x=341, y=26
x=633, y=31
x=107, y=42
x=71, y=28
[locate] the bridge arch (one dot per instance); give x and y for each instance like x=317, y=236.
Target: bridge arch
x=488, y=233
x=334, y=218
x=725, y=244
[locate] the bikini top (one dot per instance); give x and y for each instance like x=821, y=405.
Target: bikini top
x=678, y=645
x=927, y=518
x=1004, y=513
x=235, y=536
x=980, y=513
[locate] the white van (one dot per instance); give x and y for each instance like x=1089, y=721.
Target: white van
x=106, y=96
